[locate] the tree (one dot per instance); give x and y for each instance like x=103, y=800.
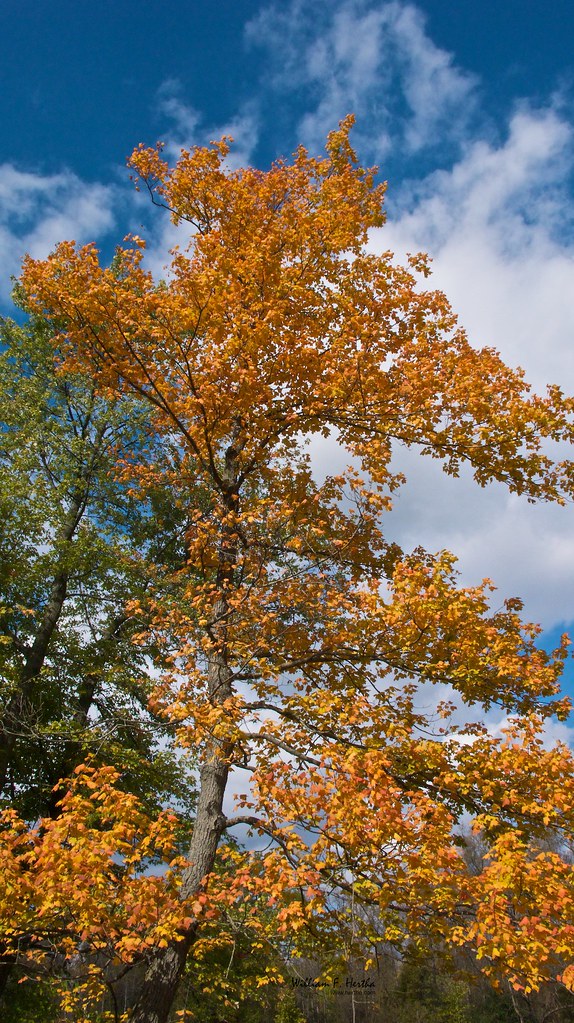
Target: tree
x=74, y=546
x=66, y=575
x=300, y=638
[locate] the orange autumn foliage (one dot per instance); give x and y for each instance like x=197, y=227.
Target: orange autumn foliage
x=86, y=873
x=303, y=644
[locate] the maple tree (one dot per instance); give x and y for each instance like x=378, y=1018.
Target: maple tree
x=297, y=640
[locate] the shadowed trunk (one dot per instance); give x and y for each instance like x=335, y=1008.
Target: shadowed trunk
x=19, y=710
x=6, y=967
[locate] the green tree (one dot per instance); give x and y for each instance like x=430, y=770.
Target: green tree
x=288, y=1010
x=75, y=548
x=72, y=546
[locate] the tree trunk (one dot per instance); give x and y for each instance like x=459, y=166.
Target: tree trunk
x=161, y=979
x=160, y=983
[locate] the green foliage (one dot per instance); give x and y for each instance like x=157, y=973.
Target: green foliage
x=30, y=1002
x=223, y=978
x=76, y=551
x=288, y=1010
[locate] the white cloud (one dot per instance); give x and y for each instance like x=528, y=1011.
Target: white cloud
x=521, y=177
x=182, y=118
x=374, y=60
x=38, y=211
x=185, y=126
x=494, y=226
x=435, y=89
x=526, y=550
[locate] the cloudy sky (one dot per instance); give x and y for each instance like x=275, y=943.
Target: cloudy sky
x=467, y=107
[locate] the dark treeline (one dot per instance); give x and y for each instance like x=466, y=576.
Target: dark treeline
x=422, y=989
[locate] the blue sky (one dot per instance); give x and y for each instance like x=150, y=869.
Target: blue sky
x=467, y=107
x=81, y=82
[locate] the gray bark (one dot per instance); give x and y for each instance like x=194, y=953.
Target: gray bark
x=160, y=983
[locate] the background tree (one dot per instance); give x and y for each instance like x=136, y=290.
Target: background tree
x=74, y=551
x=75, y=547
x=301, y=639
